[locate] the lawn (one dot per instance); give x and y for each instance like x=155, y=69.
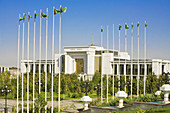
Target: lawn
x=156, y=110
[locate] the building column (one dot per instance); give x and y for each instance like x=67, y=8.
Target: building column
x=125, y=74
x=160, y=71
x=117, y=69
x=50, y=68
x=88, y=62
x=66, y=63
x=1, y=69
x=145, y=66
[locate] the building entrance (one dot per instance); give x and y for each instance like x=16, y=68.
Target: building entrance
x=79, y=66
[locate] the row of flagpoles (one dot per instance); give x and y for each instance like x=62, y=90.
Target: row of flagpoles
x=42, y=15
x=55, y=11
x=131, y=78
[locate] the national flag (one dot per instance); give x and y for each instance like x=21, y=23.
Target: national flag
x=6, y=69
x=63, y=9
x=29, y=16
x=146, y=24
x=24, y=16
x=56, y=11
x=43, y=15
x=101, y=29
x=138, y=24
x=126, y=26
x=132, y=26
x=20, y=19
x=35, y=15
x=120, y=27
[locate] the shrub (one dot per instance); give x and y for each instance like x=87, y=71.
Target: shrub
x=139, y=110
x=78, y=90
x=73, y=106
x=13, y=109
x=114, y=101
x=69, y=94
x=61, y=98
x=128, y=101
x=147, y=98
x=75, y=95
x=81, y=95
x=91, y=91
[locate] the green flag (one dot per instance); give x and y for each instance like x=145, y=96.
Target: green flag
x=146, y=24
x=138, y=25
x=43, y=15
x=63, y=9
x=126, y=26
x=29, y=17
x=132, y=26
x=120, y=27
x=35, y=15
x=101, y=29
x=56, y=11
x=24, y=16
x=20, y=19
x=6, y=70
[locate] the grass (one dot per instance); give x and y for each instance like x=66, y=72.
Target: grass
x=138, y=110
x=55, y=96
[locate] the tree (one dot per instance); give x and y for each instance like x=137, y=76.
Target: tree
x=40, y=103
x=78, y=90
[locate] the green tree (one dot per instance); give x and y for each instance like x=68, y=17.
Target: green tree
x=40, y=103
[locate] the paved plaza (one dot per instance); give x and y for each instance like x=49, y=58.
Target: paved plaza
x=64, y=103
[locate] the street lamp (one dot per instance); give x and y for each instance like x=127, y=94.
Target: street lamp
x=86, y=84
x=120, y=86
x=128, y=84
x=6, y=91
x=97, y=88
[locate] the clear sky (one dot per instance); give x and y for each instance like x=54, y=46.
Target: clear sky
x=84, y=17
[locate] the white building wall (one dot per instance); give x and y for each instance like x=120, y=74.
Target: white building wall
x=106, y=65
x=23, y=68
x=57, y=63
x=68, y=64
x=90, y=63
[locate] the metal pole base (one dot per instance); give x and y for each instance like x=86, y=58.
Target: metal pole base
x=5, y=110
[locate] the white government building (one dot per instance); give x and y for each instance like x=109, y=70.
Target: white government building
x=86, y=60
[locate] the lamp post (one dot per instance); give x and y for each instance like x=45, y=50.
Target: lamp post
x=128, y=84
x=98, y=89
x=166, y=78
x=120, y=86
x=86, y=84
x=6, y=91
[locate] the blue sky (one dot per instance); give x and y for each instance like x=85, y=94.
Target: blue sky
x=84, y=17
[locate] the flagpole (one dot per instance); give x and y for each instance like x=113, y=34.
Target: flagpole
x=119, y=64
x=40, y=56
x=34, y=62
x=28, y=67
x=145, y=60
x=59, y=63
x=46, y=61
x=131, y=59
x=107, y=52
x=101, y=72
x=18, y=63
x=22, y=72
x=113, y=61
x=125, y=51
x=138, y=66
x=52, y=63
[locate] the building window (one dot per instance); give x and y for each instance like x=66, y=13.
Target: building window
x=142, y=69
